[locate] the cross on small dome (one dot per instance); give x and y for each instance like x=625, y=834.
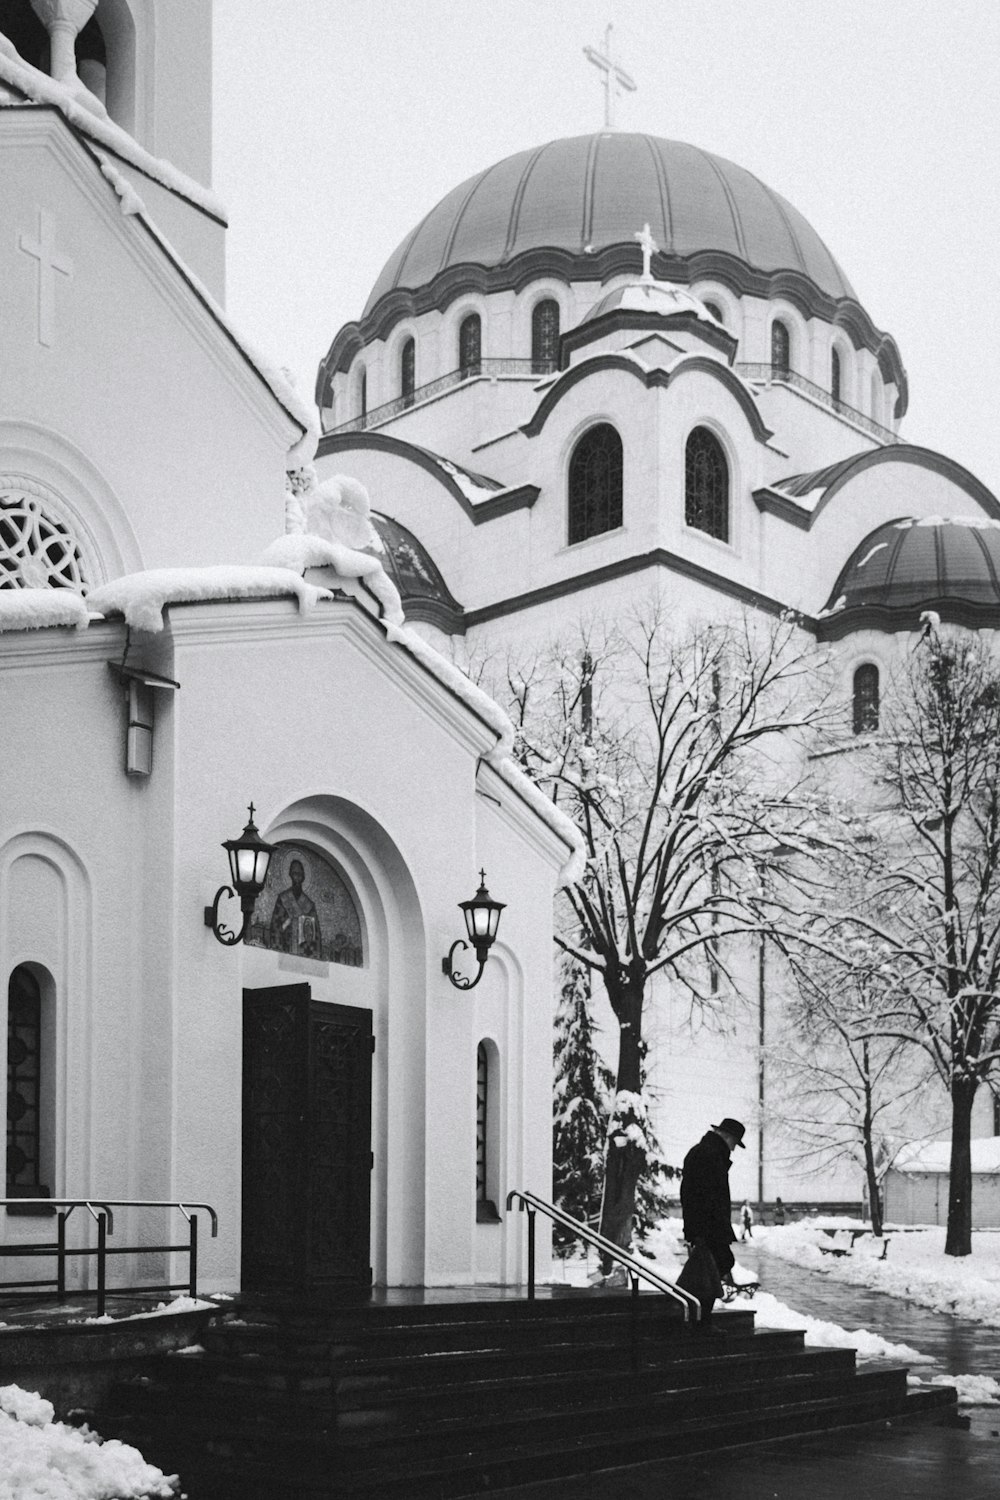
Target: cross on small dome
x=648, y=246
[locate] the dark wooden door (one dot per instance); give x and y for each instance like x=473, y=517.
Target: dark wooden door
x=306, y=1143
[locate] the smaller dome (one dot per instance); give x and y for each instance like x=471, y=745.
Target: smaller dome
x=660, y=297
x=422, y=589
x=947, y=563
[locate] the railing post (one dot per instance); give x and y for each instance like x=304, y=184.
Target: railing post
x=102, y=1264
x=634, y=1320
x=193, y=1258
x=61, y=1255
x=531, y=1255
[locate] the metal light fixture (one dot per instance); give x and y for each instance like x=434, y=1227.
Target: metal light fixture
x=249, y=857
x=482, y=918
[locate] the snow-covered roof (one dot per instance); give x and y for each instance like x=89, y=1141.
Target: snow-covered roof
x=38, y=609
x=661, y=297
x=87, y=115
x=935, y=1156
x=142, y=597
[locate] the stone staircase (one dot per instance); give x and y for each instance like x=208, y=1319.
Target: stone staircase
x=466, y=1398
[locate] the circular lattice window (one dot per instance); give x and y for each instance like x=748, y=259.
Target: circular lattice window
x=36, y=551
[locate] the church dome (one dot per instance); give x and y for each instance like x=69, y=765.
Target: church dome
x=947, y=564
x=586, y=194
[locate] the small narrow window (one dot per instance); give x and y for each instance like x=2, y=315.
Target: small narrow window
x=486, y=1209
x=408, y=371
x=780, y=348
x=866, y=699
x=587, y=694
x=835, y=374
x=876, y=396
x=363, y=395
x=595, y=483
x=24, y=1086
x=716, y=311
x=470, y=346
x=706, y=485
x=545, y=337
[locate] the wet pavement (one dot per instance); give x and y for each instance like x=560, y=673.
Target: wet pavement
x=905, y=1460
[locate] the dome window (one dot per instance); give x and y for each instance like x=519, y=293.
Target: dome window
x=545, y=337
x=706, y=485
x=408, y=372
x=595, y=483
x=835, y=381
x=781, y=348
x=866, y=698
x=470, y=346
x=363, y=393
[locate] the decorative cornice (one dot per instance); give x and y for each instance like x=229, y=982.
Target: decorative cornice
x=904, y=453
x=891, y=619
x=687, y=364
x=619, y=318
x=500, y=503
x=615, y=260
x=659, y=557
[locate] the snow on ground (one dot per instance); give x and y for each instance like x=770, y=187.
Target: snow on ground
x=49, y=1460
x=915, y=1266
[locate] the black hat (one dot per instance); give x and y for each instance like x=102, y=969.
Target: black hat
x=733, y=1128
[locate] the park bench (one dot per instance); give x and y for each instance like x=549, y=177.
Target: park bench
x=844, y=1241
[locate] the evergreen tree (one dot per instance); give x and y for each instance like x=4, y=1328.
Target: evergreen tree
x=580, y=1109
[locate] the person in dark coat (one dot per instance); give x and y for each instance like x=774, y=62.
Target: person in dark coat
x=705, y=1200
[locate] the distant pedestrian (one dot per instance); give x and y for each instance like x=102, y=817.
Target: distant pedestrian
x=779, y=1211
x=746, y=1219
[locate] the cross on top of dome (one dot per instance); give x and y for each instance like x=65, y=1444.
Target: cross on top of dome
x=648, y=246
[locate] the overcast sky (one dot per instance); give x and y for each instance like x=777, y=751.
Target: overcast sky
x=339, y=123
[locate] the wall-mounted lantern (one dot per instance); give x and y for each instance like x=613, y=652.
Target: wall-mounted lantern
x=482, y=918
x=249, y=857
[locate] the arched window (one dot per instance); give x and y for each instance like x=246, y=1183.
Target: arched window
x=363, y=393
x=876, y=396
x=866, y=699
x=470, y=345
x=486, y=1208
x=780, y=347
x=545, y=336
x=24, y=1086
x=408, y=371
x=835, y=374
x=595, y=483
x=706, y=485
x=716, y=311
x=36, y=550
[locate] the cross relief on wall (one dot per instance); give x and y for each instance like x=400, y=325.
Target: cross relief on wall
x=50, y=264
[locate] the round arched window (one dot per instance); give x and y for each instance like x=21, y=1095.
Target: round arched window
x=866, y=699
x=706, y=485
x=595, y=483
x=36, y=551
x=408, y=371
x=781, y=347
x=545, y=336
x=470, y=345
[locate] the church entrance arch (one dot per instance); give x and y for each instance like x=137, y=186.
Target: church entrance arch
x=307, y=1071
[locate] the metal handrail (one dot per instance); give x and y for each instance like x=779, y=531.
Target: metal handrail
x=490, y=369
x=781, y=375
x=637, y=1270
x=101, y=1211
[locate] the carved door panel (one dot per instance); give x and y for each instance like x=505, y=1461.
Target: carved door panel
x=306, y=1143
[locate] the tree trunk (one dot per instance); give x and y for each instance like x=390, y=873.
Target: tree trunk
x=959, y=1238
x=874, y=1201
x=625, y=1159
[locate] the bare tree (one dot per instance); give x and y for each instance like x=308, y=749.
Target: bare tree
x=928, y=931
x=665, y=748
x=844, y=1092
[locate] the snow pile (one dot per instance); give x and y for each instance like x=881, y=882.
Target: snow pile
x=823, y=1335
x=68, y=98
x=141, y=597
x=474, y=487
x=47, y=1460
x=973, y=1390
x=978, y=523
x=178, y=1305
x=35, y=609
x=915, y=1266
x=300, y=550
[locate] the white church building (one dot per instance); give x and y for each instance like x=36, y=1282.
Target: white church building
x=547, y=407
x=617, y=364
x=180, y=635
